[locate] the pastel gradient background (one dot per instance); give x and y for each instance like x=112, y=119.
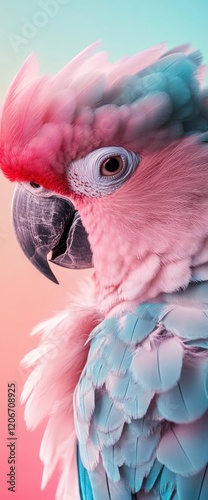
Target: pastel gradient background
x=27, y=298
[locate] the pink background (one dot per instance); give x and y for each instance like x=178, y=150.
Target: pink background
x=26, y=298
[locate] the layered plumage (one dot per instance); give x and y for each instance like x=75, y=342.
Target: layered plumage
x=149, y=98
x=145, y=380
x=127, y=365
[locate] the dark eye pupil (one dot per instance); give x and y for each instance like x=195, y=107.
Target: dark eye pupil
x=112, y=165
x=34, y=185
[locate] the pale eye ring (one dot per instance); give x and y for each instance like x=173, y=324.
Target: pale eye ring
x=111, y=166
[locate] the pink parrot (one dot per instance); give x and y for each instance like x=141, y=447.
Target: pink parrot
x=112, y=161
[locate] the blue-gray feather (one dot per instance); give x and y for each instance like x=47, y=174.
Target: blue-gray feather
x=187, y=401
x=181, y=106
x=142, y=409
x=195, y=487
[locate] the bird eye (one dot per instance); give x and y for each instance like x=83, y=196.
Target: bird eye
x=112, y=166
x=34, y=185
x=102, y=171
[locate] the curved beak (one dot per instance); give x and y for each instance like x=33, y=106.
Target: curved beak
x=46, y=224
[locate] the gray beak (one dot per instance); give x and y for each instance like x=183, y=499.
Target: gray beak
x=46, y=224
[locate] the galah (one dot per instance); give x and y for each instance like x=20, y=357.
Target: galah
x=112, y=165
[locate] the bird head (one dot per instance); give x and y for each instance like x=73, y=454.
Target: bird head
x=112, y=161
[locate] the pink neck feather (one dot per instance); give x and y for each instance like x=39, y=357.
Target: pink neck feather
x=146, y=235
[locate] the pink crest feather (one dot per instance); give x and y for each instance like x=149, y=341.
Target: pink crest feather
x=40, y=115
